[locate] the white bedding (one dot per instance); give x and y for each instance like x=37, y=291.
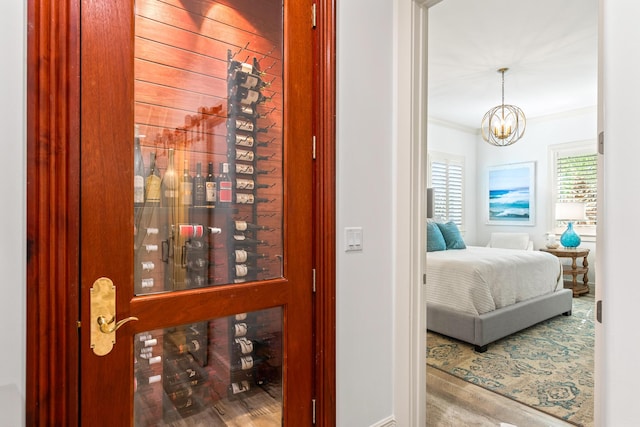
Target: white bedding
x=477, y=280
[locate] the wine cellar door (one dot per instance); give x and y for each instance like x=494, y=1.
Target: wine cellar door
x=196, y=243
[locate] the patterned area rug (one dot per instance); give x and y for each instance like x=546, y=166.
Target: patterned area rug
x=548, y=366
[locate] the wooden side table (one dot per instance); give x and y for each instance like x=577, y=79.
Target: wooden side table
x=574, y=270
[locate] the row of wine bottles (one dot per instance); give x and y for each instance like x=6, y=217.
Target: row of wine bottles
x=201, y=190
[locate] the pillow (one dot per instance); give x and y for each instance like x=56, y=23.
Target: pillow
x=435, y=239
x=452, y=235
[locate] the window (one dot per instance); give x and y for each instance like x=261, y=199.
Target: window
x=446, y=177
x=576, y=180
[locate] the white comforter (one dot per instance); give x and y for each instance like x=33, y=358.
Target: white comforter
x=477, y=280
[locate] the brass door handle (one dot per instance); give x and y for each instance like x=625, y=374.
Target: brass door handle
x=103, y=310
x=104, y=324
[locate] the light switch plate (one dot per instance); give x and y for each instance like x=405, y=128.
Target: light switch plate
x=352, y=239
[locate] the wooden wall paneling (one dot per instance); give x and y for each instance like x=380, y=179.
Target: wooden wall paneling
x=325, y=211
x=52, y=212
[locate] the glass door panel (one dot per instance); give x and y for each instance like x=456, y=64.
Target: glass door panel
x=208, y=158
x=225, y=371
x=213, y=309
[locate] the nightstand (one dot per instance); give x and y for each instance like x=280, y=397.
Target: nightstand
x=574, y=270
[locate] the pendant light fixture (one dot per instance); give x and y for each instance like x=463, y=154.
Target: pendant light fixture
x=503, y=125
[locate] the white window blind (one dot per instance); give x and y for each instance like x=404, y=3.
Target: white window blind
x=447, y=180
x=577, y=181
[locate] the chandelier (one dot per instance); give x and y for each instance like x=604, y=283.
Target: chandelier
x=503, y=125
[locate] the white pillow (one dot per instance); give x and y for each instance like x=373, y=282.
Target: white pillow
x=509, y=240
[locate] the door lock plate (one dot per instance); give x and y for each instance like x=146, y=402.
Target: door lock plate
x=103, y=306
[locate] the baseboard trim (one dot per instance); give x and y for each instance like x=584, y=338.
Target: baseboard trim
x=388, y=422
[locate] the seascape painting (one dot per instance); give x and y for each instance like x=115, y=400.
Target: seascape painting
x=511, y=194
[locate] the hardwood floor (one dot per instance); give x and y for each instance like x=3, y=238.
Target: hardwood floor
x=452, y=402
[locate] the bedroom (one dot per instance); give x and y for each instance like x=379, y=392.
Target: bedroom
x=552, y=77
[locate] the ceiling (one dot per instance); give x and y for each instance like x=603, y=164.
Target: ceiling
x=549, y=46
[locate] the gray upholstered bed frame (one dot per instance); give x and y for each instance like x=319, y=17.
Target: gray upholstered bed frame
x=486, y=328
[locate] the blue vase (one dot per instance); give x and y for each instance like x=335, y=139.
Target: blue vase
x=570, y=238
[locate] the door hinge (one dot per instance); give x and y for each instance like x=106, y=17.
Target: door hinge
x=424, y=279
x=313, y=15
x=313, y=147
x=313, y=411
x=601, y=142
x=313, y=279
x=599, y=311
x=78, y=324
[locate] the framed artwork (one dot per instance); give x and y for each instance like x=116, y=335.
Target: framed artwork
x=511, y=194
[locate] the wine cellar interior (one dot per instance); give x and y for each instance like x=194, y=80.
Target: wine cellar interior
x=208, y=204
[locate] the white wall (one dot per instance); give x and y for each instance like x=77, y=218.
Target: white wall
x=445, y=138
x=364, y=295
x=12, y=215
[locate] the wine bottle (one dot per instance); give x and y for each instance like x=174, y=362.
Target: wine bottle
x=153, y=182
x=240, y=329
x=243, y=140
x=170, y=183
x=242, y=270
x=253, y=68
x=244, y=66
x=243, y=110
x=199, y=187
x=242, y=346
x=241, y=124
x=244, y=169
x=241, y=239
x=225, y=189
x=247, y=80
x=244, y=226
x=186, y=186
x=249, y=184
x=247, y=96
x=211, y=186
x=247, y=155
x=242, y=256
x=249, y=199
x=138, y=174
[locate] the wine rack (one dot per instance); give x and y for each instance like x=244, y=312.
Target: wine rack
x=216, y=145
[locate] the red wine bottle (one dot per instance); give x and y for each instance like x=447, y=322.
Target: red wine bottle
x=153, y=182
x=199, y=187
x=211, y=192
x=225, y=187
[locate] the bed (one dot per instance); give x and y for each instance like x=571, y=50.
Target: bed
x=479, y=294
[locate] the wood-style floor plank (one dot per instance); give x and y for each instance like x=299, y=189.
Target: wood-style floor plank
x=452, y=402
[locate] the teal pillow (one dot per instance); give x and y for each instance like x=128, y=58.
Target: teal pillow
x=435, y=239
x=452, y=235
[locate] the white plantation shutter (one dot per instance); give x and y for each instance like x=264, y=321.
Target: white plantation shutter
x=575, y=179
x=447, y=180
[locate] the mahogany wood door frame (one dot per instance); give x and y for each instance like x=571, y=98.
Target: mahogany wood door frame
x=53, y=203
